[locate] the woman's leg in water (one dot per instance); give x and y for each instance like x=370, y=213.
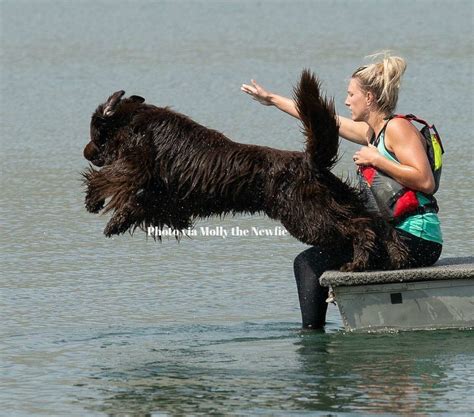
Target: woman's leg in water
x=309, y=266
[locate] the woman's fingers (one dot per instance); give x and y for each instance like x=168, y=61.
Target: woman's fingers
x=258, y=88
x=248, y=89
x=366, y=155
x=251, y=89
x=257, y=92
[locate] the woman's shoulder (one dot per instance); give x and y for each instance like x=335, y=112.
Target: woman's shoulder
x=399, y=125
x=400, y=130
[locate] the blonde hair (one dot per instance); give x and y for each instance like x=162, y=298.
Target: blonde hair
x=382, y=78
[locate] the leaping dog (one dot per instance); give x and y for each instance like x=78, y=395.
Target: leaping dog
x=160, y=168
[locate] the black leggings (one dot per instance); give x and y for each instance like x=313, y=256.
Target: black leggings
x=310, y=264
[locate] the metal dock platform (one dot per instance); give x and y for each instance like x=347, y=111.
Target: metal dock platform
x=436, y=297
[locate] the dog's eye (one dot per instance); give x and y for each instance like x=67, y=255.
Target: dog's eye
x=101, y=138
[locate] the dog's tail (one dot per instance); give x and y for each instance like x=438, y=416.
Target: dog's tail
x=319, y=122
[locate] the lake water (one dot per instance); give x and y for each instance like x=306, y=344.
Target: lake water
x=208, y=326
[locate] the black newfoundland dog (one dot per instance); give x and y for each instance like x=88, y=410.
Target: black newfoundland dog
x=160, y=168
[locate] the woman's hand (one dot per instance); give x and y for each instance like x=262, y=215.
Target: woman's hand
x=257, y=92
x=367, y=155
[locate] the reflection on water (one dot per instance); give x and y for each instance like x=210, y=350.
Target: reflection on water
x=400, y=372
x=247, y=369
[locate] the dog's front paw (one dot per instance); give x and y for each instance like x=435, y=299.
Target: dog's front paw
x=116, y=226
x=94, y=206
x=113, y=229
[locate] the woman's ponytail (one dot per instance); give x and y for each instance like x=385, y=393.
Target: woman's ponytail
x=382, y=78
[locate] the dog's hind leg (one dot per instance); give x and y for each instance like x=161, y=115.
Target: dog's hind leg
x=363, y=243
x=397, y=251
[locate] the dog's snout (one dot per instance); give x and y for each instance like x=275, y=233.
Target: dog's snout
x=91, y=151
x=92, y=154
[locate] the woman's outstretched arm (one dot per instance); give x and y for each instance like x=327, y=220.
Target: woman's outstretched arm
x=348, y=129
x=266, y=98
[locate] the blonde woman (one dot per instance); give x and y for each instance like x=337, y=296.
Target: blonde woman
x=392, y=146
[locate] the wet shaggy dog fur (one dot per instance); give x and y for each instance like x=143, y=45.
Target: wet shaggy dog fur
x=160, y=168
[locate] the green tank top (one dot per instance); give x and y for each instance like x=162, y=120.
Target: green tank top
x=426, y=225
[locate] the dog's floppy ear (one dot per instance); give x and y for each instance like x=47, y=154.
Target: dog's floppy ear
x=111, y=104
x=138, y=99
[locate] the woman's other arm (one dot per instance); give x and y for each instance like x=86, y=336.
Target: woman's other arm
x=402, y=139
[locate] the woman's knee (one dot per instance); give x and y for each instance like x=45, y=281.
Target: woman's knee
x=300, y=260
x=310, y=262
x=305, y=258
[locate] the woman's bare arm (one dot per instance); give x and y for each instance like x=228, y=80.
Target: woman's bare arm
x=348, y=129
x=258, y=93
x=357, y=132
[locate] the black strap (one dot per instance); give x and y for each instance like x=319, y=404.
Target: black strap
x=375, y=140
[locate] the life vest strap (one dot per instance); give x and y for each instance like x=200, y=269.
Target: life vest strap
x=412, y=117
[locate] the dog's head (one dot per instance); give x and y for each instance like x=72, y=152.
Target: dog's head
x=107, y=124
